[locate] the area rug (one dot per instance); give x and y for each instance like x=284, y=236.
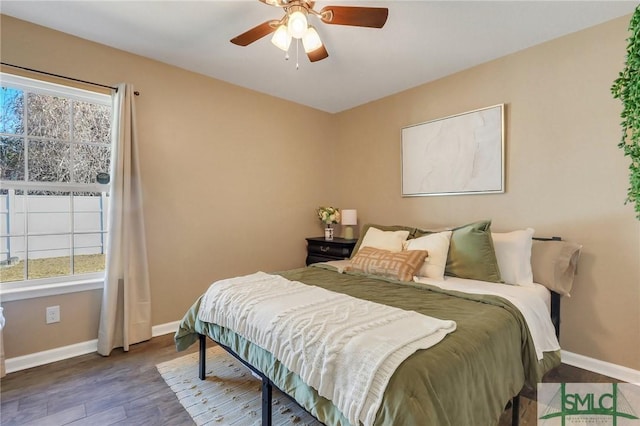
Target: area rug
x=230, y=395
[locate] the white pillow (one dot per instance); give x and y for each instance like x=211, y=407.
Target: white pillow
x=384, y=240
x=513, y=251
x=437, y=245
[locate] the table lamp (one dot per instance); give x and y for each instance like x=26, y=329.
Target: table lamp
x=349, y=217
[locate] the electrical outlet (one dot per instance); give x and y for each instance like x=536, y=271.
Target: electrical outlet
x=53, y=314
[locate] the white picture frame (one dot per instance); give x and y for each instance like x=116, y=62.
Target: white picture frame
x=456, y=155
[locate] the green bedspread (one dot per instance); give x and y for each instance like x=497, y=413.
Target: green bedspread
x=466, y=379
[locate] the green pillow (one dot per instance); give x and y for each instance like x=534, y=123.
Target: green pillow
x=471, y=254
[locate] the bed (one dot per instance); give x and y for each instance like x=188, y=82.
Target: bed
x=472, y=373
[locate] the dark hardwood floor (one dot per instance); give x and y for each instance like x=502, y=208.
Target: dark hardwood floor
x=126, y=389
x=122, y=389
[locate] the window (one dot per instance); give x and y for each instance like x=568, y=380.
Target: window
x=54, y=141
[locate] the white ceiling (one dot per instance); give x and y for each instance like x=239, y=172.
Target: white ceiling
x=421, y=41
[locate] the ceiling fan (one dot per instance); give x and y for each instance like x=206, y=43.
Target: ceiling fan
x=295, y=25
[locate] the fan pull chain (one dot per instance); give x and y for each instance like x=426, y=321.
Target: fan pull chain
x=297, y=54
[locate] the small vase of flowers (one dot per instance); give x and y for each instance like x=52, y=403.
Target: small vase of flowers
x=329, y=216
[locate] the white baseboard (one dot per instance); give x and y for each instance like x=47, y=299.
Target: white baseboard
x=58, y=354
x=52, y=355
x=162, y=329
x=608, y=369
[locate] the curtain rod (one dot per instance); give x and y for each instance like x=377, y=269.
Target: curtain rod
x=65, y=77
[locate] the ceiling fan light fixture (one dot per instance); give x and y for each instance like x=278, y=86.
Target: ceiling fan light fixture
x=311, y=40
x=281, y=38
x=297, y=24
x=276, y=3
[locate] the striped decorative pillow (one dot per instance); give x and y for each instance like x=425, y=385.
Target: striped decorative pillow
x=400, y=266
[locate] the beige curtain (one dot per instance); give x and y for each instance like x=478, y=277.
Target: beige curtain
x=2, y=369
x=125, y=317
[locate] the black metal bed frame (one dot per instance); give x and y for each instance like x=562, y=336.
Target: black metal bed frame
x=268, y=385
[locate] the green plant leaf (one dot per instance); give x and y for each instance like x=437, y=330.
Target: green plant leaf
x=627, y=88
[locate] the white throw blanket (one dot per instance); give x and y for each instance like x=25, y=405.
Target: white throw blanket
x=345, y=348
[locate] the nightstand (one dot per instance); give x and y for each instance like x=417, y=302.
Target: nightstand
x=321, y=250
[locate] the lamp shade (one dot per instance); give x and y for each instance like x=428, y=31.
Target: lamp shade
x=297, y=24
x=349, y=217
x=311, y=40
x=281, y=38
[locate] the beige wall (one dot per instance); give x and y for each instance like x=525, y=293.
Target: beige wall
x=565, y=174
x=29, y=333
x=231, y=179
x=216, y=163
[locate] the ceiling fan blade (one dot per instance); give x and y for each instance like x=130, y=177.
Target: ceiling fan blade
x=319, y=54
x=255, y=33
x=373, y=17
